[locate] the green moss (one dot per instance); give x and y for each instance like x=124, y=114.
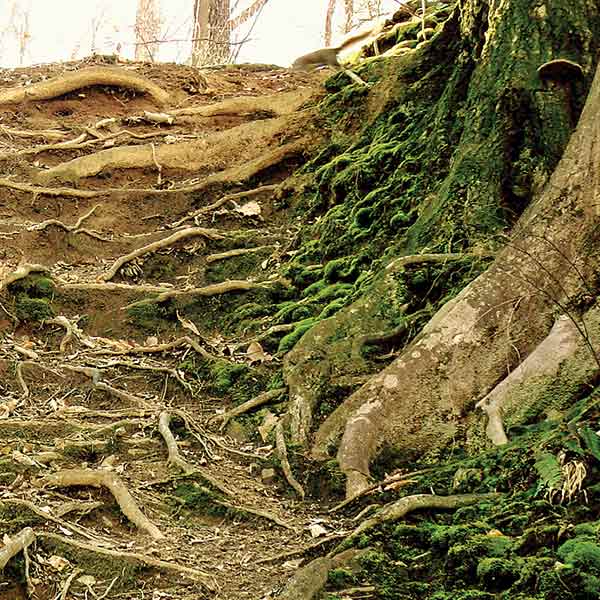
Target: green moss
x=225, y=375
x=32, y=309
x=497, y=574
x=152, y=318
x=339, y=578
x=291, y=339
x=581, y=553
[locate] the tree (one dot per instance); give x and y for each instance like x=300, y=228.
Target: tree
x=464, y=149
x=147, y=30
x=211, y=33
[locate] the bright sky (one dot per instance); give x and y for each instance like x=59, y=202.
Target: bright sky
x=62, y=29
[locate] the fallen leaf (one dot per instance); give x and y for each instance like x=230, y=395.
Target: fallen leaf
x=187, y=324
x=250, y=209
x=255, y=353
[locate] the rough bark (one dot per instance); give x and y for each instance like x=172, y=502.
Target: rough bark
x=464, y=351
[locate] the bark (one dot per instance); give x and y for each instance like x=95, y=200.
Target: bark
x=212, y=30
x=147, y=30
x=465, y=348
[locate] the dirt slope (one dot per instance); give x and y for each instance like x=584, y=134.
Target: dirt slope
x=83, y=381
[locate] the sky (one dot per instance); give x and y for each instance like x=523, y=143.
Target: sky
x=62, y=29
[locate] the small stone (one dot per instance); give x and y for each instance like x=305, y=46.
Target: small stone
x=268, y=476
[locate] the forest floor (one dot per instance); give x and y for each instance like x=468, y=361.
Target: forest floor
x=83, y=385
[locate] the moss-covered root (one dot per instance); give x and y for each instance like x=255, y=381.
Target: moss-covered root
x=400, y=508
x=308, y=582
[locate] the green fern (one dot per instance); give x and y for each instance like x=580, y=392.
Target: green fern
x=549, y=470
x=592, y=441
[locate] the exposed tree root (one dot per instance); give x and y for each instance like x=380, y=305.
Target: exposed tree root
x=176, y=459
x=217, y=151
x=16, y=544
x=195, y=574
x=45, y=191
x=211, y=258
x=182, y=341
x=76, y=228
x=174, y=456
x=309, y=581
x=285, y=463
x=22, y=272
x=224, y=287
x=72, y=477
x=115, y=287
x=75, y=80
x=301, y=551
x=164, y=243
x=259, y=400
x=51, y=134
x=400, y=508
x=276, y=104
x=545, y=360
x=49, y=517
x=72, y=331
x=228, y=198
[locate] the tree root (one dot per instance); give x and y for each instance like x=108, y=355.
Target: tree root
x=211, y=258
x=22, y=272
x=224, y=287
x=309, y=581
x=283, y=459
x=76, y=228
x=16, y=544
x=174, y=457
x=168, y=241
x=182, y=341
x=259, y=400
x=400, y=508
x=72, y=477
x=45, y=191
x=195, y=574
x=228, y=198
x=68, y=82
x=72, y=331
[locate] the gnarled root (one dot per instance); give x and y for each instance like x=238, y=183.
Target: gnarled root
x=116, y=487
x=16, y=544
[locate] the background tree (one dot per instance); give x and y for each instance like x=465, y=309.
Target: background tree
x=211, y=33
x=147, y=30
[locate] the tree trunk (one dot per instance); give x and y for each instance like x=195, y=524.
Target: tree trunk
x=147, y=30
x=477, y=109
x=212, y=30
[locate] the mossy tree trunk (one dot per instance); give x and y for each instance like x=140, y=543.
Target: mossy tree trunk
x=467, y=138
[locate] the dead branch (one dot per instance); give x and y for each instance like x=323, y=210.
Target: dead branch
x=45, y=191
x=68, y=82
x=16, y=544
x=195, y=574
x=73, y=477
x=215, y=289
x=400, y=508
x=259, y=400
x=236, y=252
x=228, y=198
x=283, y=459
x=165, y=242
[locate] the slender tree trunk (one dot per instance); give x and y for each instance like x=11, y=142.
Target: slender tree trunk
x=212, y=32
x=147, y=30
